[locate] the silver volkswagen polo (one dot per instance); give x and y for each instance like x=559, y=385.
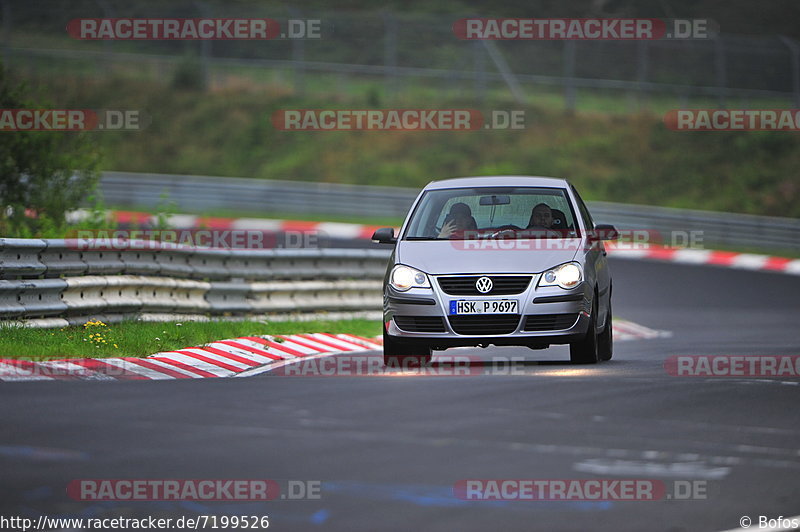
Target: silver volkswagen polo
x=497, y=261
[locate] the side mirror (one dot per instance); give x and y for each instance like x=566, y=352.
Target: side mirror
x=605, y=232
x=384, y=235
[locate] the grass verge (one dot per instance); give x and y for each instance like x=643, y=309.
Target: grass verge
x=138, y=339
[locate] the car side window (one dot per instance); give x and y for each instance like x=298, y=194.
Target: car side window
x=587, y=218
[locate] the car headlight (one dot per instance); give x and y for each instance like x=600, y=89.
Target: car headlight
x=566, y=276
x=404, y=277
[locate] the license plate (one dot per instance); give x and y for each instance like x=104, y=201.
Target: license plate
x=483, y=306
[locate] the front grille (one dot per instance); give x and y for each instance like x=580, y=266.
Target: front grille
x=485, y=324
x=549, y=322
x=420, y=323
x=502, y=285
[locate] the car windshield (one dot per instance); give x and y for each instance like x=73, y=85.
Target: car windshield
x=496, y=212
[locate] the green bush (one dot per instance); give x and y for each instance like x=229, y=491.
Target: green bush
x=43, y=174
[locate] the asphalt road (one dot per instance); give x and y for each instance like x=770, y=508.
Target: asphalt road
x=388, y=450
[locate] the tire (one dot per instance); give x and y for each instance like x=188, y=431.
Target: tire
x=398, y=354
x=584, y=351
x=605, y=341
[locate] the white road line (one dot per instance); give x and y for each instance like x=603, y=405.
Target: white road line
x=697, y=469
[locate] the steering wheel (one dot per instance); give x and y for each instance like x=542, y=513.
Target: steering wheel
x=504, y=229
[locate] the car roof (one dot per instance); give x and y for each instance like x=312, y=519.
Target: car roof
x=498, y=181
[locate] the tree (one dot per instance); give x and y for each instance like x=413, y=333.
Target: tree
x=43, y=174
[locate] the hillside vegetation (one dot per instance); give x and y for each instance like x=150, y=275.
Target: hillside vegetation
x=625, y=158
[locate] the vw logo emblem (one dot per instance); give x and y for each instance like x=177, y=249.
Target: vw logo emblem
x=483, y=285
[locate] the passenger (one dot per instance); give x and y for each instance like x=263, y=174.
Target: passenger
x=541, y=216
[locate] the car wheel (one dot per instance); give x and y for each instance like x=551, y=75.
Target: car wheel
x=605, y=342
x=398, y=354
x=584, y=351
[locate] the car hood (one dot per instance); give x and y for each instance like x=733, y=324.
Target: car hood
x=439, y=257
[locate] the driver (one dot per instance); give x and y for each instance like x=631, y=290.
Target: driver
x=541, y=222
x=458, y=220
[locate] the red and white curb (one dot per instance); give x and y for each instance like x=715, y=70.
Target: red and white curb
x=728, y=259
x=226, y=358
x=265, y=225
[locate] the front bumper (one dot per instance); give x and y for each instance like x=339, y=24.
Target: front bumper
x=547, y=315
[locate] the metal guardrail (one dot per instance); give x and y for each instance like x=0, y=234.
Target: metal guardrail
x=45, y=279
x=198, y=193
x=713, y=228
